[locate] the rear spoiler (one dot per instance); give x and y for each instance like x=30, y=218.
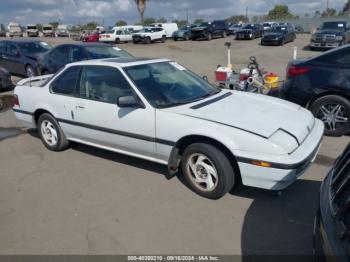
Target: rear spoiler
x=29, y=81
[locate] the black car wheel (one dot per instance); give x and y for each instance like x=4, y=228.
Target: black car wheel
x=30, y=72
x=117, y=41
x=175, y=38
x=207, y=170
x=209, y=36
x=224, y=34
x=282, y=42
x=252, y=36
x=187, y=37
x=163, y=39
x=334, y=111
x=148, y=40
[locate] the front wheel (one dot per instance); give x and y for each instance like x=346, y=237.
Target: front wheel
x=163, y=39
x=117, y=41
x=30, y=72
x=209, y=36
x=51, y=133
x=334, y=111
x=207, y=170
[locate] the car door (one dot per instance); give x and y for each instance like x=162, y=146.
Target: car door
x=101, y=121
x=126, y=36
x=63, y=91
x=15, y=63
x=57, y=58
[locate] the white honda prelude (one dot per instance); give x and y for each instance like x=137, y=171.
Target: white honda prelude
x=158, y=110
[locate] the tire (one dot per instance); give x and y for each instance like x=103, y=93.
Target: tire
x=282, y=42
x=253, y=37
x=117, y=41
x=215, y=161
x=148, y=40
x=175, y=39
x=30, y=71
x=224, y=34
x=187, y=37
x=331, y=109
x=163, y=39
x=209, y=37
x=49, y=130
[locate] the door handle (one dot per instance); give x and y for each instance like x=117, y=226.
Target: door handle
x=80, y=106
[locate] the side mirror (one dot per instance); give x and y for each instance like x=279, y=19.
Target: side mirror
x=129, y=102
x=205, y=78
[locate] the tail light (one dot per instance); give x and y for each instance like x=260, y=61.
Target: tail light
x=15, y=100
x=297, y=70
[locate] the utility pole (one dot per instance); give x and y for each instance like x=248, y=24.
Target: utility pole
x=187, y=16
x=246, y=13
x=327, y=8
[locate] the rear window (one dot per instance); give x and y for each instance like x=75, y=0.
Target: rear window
x=98, y=52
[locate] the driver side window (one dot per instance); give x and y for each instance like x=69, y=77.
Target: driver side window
x=103, y=83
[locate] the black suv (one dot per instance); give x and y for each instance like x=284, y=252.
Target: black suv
x=330, y=35
x=332, y=223
x=217, y=28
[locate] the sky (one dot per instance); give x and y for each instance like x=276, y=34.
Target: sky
x=107, y=12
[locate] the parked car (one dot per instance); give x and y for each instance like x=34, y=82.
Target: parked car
x=63, y=54
x=269, y=25
x=217, y=28
x=169, y=28
x=183, y=33
x=232, y=30
x=62, y=31
x=21, y=57
x=116, y=36
x=15, y=29
x=48, y=31
x=330, y=35
x=332, y=223
x=278, y=35
x=152, y=108
x=299, y=29
x=2, y=30
x=321, y=85
x=32, y=30
x=5, y=79
x=131, y=28
x=93, y=37
x=149, y=34
x=250, y=31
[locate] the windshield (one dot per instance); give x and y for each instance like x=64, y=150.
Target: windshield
x=47, y=28
x=249, y=27
x=167, y=84
x=204, y=24
x=98, y=52
x=34, y=47
x=279, y=29
x=333, y=25
x=31, y=27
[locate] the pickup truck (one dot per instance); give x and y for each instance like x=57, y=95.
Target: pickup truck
x=32, y=30
x=330, y=35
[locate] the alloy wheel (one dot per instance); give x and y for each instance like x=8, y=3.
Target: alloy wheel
x=49, y=133
x=333, y=115
x=203, y=173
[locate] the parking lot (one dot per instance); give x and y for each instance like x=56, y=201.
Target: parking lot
x=90, y=201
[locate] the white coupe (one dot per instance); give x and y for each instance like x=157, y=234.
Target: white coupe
x=158, y=110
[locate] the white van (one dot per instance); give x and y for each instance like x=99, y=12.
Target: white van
x=130, y=28
x=169, y=28
x=15, y=29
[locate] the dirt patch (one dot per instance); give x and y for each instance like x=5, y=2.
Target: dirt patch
x=6, y=102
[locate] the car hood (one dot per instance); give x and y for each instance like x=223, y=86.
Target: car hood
x=253, y=113
x=330, y=32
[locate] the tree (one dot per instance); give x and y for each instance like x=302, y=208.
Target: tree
x=162, y=20
x=148, y=21
x=141, y=7
x=280, y=12
x=317, y=14
x=54, y=24
x=121, y=23
x=329, y=12
x=237, y=19
x=346, y=8
x=198, y=21
x=180, y=23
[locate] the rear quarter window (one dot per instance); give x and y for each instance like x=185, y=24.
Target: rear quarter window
x=66, y=82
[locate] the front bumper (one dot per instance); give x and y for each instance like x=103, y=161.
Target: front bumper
x=324, y=44
x=271, y=41
x=285, y=169
x=244, y=35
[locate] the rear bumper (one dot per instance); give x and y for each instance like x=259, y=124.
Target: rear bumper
x=287, y=169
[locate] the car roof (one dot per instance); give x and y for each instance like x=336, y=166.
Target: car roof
x=22, y=40
x=121, y=61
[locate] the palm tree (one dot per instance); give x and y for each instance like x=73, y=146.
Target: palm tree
x=141, y=7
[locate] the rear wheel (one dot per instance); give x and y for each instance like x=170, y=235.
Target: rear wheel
x=334, y=111
x=224, y=34
x=209, y=36
x=187, y=37
x=117, y=41
x=148, y=40
x=51, y=133
x=163, y=39
x=30, y=72
x=207, y=170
